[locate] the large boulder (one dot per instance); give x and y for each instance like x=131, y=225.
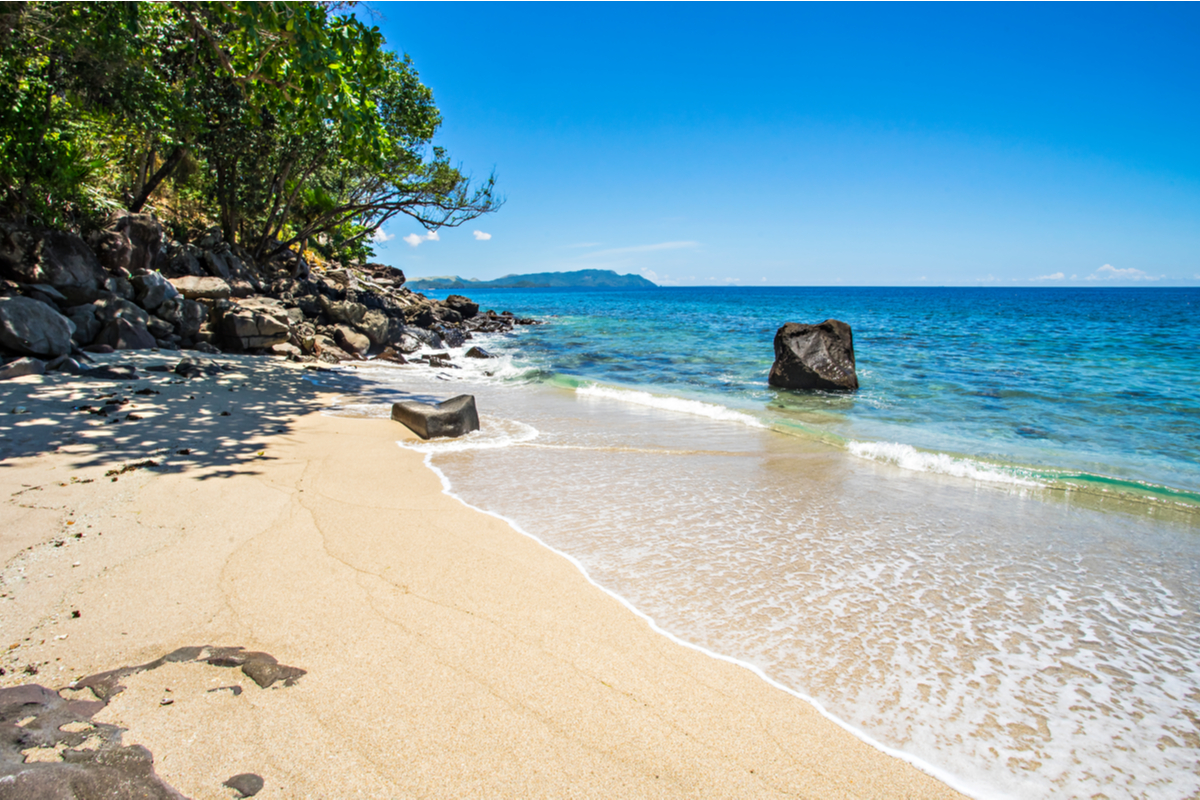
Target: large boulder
x=201, y=288
x=123, y=333
x=351, y=340
x=57, y=259
x=22, y=366
x=131, y=243
x=375, y=325
x=254, y=324
x=814, y=357
x=34, y=328
x=87, y=323
x=186, y=315
x=465, y=308
x=454, y=417
x=113, y=308
x=342, y=311
x=153, y=290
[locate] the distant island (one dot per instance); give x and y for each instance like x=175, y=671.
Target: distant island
x=580, y=279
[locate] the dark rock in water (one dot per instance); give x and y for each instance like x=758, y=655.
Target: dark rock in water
x=814, y=357
x=462, y=305
x=32, y=328
x=390, y=354
x=454, y=417
x=478, y=352
x=247, y=784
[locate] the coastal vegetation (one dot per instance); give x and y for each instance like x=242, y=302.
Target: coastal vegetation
x=285, y=124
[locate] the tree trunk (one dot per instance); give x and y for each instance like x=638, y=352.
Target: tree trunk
x=158, y=177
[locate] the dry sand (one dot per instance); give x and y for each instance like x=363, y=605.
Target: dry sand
x=447, y=655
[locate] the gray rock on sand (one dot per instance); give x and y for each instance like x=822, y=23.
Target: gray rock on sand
x=126, y=334
x=34, y=328
x=451, y=418
x=814, y=357
x=22, y=366
x=246, y=784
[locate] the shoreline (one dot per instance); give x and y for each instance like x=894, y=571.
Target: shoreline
x=501, y=692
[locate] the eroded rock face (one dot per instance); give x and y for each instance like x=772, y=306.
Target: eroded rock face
x=153, y=290
x=34, y=328
x=126, y=334
x=454, y=417
x=814, y=357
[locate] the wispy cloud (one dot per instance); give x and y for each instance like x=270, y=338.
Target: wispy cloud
x=1110, y=273
x=480, y=236
x=382, y=236
x=415, y=239
x=1058, y=276
x=641, y=248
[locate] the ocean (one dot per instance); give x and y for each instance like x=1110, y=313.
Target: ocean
x=985, y=560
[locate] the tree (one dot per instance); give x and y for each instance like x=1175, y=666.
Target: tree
x=299, y=123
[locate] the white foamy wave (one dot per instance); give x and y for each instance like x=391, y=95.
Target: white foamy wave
x=908, y=457
x=676, y=404
x=493, y=432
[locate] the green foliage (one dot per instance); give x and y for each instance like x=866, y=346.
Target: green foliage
x=282, y=121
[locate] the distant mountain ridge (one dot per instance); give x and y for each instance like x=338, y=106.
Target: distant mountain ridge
x=580, y=279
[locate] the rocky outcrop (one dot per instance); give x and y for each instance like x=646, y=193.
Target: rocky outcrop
x=450, y=418
x=130, y=286
x=33, y=328
x=814, y=357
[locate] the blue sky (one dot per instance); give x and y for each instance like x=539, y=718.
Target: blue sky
x=812, y=144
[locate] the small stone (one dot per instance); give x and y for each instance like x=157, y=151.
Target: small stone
x=246, y=784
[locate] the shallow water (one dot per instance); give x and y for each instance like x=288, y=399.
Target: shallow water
x=1029, y=638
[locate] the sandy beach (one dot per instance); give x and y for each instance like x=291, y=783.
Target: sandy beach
x=444, y=654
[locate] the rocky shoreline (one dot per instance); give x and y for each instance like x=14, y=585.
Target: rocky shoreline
x=129, y=286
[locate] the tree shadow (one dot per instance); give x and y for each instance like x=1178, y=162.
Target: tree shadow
x=166, y=422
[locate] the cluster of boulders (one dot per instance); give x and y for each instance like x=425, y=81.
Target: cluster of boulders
x=129, y=286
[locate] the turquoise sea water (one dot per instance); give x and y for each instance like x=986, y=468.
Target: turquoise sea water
x=987, y=559
x=1087, y=382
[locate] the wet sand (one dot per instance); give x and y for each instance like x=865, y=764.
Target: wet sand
x=446, y=654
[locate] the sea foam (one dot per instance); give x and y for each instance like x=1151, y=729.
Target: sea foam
x=676, y=404
x=908, y=457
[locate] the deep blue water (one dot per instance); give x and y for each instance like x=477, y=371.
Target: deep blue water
x=1070, y=383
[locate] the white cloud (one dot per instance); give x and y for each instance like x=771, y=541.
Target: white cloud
x=1074, y=277
x=733, y=280
x=1058, y=276
x=480, y=236
x=642, y=248
x=650, y=275
x=415, y=239
x=1110, y=273
x=382, y=236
